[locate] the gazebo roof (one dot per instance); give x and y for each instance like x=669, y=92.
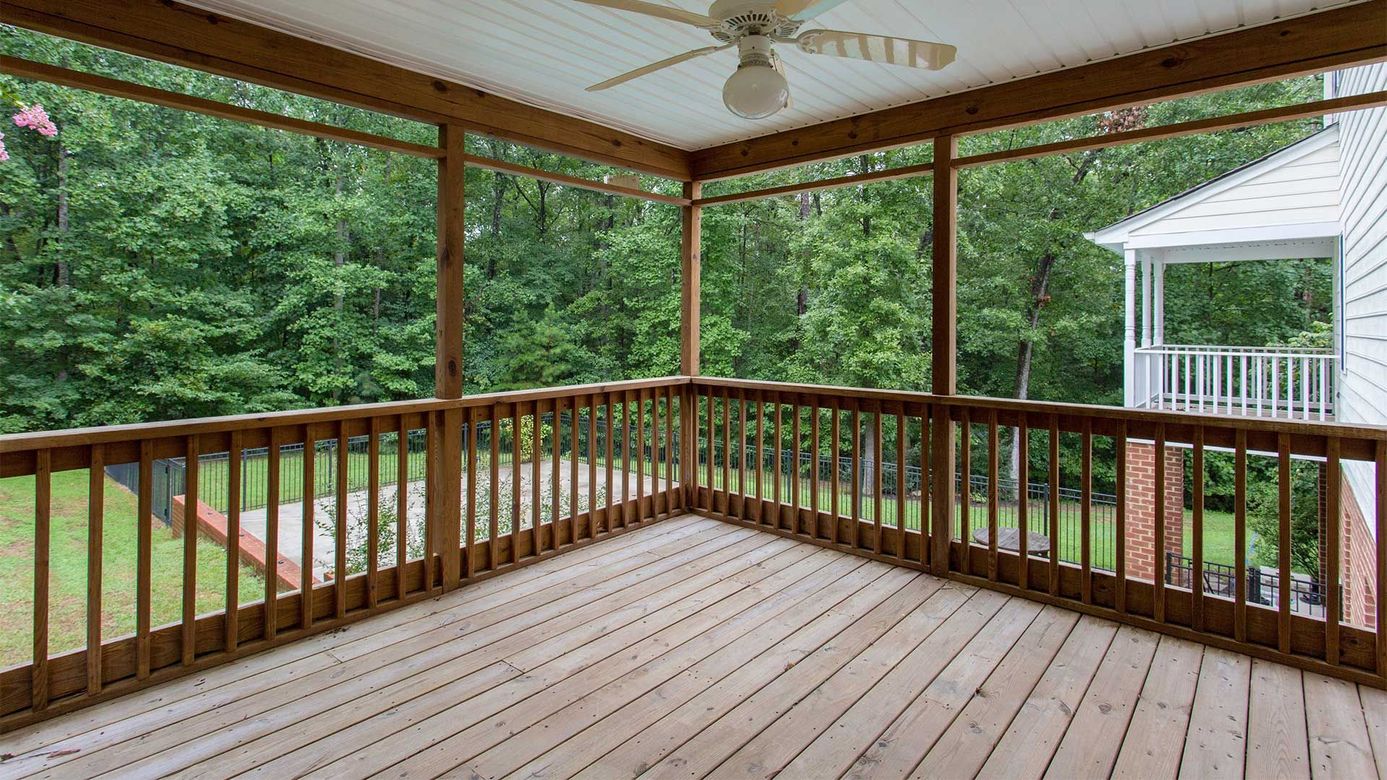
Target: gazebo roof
x=1283, y=205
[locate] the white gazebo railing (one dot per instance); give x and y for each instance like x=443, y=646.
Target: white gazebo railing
x=1288, y=382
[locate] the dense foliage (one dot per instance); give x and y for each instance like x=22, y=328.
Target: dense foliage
x=156, y=264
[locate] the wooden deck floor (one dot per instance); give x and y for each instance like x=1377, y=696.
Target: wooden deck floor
x=695, y=648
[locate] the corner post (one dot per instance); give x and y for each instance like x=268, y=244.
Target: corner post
x=690, y=297
x=944, y=381
x=445, y=508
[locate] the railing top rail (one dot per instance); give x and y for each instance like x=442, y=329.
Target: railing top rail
x=1145, y=420
x=1224, y=349
x=38, y=440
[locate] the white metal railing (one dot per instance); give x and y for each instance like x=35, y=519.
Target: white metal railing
x=1287, y=382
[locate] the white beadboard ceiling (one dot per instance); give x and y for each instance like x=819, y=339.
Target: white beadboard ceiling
x=545, y=52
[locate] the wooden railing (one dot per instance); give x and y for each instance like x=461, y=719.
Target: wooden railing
x=1290, y=382
x=584, y=462
x=872, y=507
x=875, y=473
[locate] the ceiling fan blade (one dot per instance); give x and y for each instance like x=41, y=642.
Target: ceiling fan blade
x=779, y=66
x=660, y=11
x=654, y=66
x=878, y=48
x=803, y=10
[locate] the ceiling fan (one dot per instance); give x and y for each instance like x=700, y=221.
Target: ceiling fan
x=759, y=87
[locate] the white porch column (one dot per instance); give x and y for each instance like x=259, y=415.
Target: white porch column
x=1158, y=293
x=1129, y=345
x=1146, y=322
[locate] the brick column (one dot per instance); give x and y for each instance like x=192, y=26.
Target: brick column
x=1143, y=562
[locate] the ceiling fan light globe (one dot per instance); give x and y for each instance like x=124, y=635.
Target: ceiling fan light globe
x=755, y=92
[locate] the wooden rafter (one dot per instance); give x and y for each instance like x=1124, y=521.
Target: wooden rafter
x=67, y=77
x=180, y=34
x=1308, y=44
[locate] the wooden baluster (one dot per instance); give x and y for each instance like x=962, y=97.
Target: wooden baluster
x=515, y=518
x=469, y=563
x=96, y=513
x=741, y=455
x=339, y=547
x=760, y=457
x=1158, y=554
x=927, y=530
x=1054, y=497
x=900, y=485
x=574, y=412
x=814, y=468
x=877, y=501
x=610, y=436
x=727, y=453
x=1240, y=536
x=626, y=458
x=658, y=505
x=854, y=423
x=43, y=493
x=372, y=511
x=792, y=480
x=556, y=475
x=1120, y=534
x=493, y=520
x=640, y=455
x=1086, y=511
x=272, y=476
x=965, y=493
x=592, y=466
x=188, y=626
x=232, y=621
x=1023, y=501
x=401, y=507
x=536, y=477
x=778, y=459
x=306, y=531
x=671, y=498
x=431, y=493
x=835, y=433
x=709, y=444
x=1283, y=545
x=1197, y=564
x=993, y=496
x=145, y=563
x=1333, y=506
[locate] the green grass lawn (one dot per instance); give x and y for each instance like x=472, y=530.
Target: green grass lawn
x=68, y=568
x=1218, y=526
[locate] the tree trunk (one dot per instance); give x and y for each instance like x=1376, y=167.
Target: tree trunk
x=1026, y=351
x=867, y=474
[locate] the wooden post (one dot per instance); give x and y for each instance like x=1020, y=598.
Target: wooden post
x=944, y=345
x=690, y=294
x=448, y=355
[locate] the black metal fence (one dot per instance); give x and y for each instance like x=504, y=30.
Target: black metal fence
x=169, y=475
x=1263, y=587
x=1102, y=506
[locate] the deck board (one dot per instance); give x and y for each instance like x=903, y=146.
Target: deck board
x=694, y=648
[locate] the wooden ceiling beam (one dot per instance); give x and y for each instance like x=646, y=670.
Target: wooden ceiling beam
x=1308, y=44
x=176, y=33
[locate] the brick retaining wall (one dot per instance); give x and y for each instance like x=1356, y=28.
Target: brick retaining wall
x=212, y=524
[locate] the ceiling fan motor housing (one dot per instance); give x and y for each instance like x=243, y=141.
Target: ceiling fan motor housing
x=740, y=18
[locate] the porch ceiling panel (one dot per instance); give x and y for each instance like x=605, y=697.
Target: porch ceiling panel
x=545, y=52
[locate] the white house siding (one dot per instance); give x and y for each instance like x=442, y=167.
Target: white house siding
x=1305, y=190
x=1363, y=177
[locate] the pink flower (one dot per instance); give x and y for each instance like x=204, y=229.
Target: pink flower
x=36, y=118
x=4, y=155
